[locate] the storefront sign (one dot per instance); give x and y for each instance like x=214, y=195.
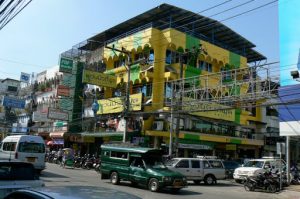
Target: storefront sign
x=65, y=65
x=40, y=116
x=63, y=91
x=13, y=102
x=230, y=147
x=222, y=112
x=58, y=114
x=99, y=79
x=116, y=104
x=194, y=146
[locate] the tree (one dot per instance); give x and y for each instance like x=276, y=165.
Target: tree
x=10, y=116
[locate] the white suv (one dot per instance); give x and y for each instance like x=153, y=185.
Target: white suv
x=256, y=166
x=198, y=169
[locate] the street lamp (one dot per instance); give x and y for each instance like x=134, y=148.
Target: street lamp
x=95, y=108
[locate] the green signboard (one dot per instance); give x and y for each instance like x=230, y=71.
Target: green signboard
x=65, y=65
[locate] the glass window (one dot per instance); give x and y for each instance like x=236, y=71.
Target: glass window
x=9, y=146
x=195, y=164
x=206, y=164
x=258, y=164
x=28, y=147
x=115, y=154
x=183, y=164
x=215, y=164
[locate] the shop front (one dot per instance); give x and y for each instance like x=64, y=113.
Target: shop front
x=57, y=140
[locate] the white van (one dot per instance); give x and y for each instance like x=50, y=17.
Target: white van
x=25, y=148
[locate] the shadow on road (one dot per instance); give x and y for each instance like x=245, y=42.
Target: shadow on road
x=182, y=192
x=52, y=175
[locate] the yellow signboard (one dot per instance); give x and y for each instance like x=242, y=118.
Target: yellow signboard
x=116, y=104
x=99, y=79
x=223, y=113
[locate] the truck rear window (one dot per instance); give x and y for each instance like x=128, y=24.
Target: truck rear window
x=31, y=147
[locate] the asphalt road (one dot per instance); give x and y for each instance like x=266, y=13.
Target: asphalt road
x=54, y=175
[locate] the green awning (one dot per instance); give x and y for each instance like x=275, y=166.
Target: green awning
x=102, y=134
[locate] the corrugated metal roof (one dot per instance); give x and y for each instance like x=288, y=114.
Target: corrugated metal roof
x=186, y=21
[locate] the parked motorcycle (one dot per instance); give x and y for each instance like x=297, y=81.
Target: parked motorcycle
x=263, y=181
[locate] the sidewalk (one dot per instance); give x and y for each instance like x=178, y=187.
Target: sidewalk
x=293, y=188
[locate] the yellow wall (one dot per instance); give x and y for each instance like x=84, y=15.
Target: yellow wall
x=171, y=39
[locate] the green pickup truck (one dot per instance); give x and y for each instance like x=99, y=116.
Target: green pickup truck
x=139, y=166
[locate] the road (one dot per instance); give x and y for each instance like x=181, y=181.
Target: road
x=54, y=175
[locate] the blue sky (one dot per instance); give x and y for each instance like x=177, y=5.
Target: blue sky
x=289, y=39
x=44, y=29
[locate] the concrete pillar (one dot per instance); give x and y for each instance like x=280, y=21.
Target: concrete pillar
x=186, y=153
x=157, y=142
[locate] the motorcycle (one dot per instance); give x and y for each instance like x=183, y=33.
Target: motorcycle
x=263, y=181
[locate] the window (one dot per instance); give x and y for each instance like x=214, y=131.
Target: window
x=147, y=89
x=215, y=164
x=195, y=164
x=9, y=146
x=205, y=66
x=172, y=57
x=138, y=162
x=206, y=164
x=115, y=154
x=183, y=164
x=28, y=147
x=12, y=88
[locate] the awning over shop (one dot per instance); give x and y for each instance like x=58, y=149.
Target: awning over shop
x=102, y=134
x=58, y=134
x=208, y=137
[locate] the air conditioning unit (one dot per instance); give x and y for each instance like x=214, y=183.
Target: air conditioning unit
x=158, y=125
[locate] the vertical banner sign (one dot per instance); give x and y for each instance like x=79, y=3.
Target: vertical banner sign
x=25, y=77
x=289, y=31
x=65, y=65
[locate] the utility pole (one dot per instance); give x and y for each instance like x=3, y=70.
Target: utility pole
x=127, y=97
x=172, y=122
x=196, y=51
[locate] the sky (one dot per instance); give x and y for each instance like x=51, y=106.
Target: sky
x=34, y=39
x=289, y=40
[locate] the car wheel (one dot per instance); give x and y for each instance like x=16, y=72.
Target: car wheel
x=197, y=181
x=209, y=179
x=114, y=178
x=153, y=185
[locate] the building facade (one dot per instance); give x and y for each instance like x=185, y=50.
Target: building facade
x=156, y=48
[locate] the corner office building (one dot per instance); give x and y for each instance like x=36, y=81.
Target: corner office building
x=164, y=35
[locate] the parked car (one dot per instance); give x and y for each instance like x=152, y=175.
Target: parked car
x=70, y=192
x=255, y=166
x=230, y=166
x=139, y=166
x=199, y=169
x=17, y=175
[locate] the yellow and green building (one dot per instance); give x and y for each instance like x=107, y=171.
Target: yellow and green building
x=162, y=36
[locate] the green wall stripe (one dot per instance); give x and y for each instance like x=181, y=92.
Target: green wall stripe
x=234, y=59
x=191, y=137
x=191, y=41
x=238, y=115
x=137, y=39
x=235, y=141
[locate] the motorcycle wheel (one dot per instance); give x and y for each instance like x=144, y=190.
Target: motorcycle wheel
x=271, y=188
x=249, y=186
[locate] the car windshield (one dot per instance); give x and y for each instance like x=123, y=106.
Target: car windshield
x=30, y=147
x=258, y=164
x=171, y=162
x=154, y=163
